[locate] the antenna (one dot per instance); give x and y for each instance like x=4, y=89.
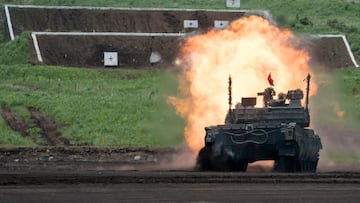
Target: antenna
x=307, y=91
x=230, y=97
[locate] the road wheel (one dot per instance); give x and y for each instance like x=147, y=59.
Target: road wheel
x=241, y=166
x=287, y=164
x=203, y=162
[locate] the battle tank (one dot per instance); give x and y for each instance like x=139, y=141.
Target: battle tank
x=277, y=131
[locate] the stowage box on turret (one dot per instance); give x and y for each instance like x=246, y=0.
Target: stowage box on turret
x=278, y=131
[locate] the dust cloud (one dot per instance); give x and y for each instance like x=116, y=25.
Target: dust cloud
x=334, y=123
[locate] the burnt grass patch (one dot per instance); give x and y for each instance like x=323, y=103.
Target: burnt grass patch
x=39, y=123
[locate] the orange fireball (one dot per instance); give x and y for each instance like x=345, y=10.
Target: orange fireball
x=248, y=50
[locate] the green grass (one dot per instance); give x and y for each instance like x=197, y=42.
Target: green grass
x=96, y=107
x=9, y=138
x=345, y=158
x=348, y=82
x=16, y=51
x=338, y=91
x=130, y=3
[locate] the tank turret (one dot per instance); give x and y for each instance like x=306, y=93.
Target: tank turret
x=277, y=131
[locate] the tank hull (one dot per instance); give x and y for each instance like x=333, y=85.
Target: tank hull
x=233, y=146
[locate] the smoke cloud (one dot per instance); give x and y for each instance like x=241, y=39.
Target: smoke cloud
x=334, y=123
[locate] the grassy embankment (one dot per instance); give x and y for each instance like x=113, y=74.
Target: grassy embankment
x=125, y=107
x=93, y=107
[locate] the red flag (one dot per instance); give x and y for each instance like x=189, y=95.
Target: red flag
x=271, y=81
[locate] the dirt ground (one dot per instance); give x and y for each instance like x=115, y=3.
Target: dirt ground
x=113, y=20
x=185, y=192
x=135, y=51
x=86, y=158
x=328, y=53
x=88, y=51
x=56, y=154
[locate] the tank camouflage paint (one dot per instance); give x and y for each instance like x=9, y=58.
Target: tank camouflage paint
x=277, y=131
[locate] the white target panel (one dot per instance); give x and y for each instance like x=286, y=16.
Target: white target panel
x=191, y=24
x=110, y=59
x=220, y=24
x=233, y=3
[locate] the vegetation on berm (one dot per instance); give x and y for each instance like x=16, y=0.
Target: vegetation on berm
x=93, y=107
x=129, y=107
